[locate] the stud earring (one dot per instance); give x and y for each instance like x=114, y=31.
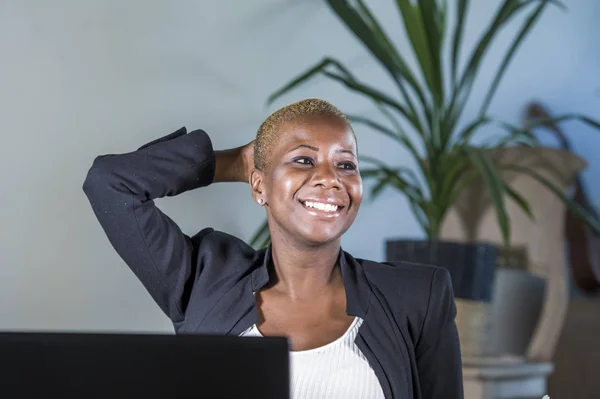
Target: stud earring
x=261, y=201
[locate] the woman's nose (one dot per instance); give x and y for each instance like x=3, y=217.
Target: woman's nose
x=326, y=177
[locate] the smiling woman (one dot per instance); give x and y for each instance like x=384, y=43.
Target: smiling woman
x=306, y=173
x=357, y=328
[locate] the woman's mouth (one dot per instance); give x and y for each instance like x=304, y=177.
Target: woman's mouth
x=323, y=209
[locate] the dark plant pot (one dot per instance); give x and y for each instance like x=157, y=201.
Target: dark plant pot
x=471, y=265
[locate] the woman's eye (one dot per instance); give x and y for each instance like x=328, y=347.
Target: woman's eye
x=304, y=161
x=348, y=166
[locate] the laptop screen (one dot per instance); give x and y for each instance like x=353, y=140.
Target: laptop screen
x=80, y=365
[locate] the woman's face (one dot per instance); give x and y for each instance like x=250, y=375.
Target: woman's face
x=312, y=185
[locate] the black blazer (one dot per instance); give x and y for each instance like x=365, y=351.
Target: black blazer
x=205, y=283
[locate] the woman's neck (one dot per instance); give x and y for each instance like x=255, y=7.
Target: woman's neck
x=305, y=271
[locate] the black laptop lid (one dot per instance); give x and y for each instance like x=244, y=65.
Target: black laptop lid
x=56, y=365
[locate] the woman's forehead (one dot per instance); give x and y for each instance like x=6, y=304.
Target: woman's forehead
x=317, y=132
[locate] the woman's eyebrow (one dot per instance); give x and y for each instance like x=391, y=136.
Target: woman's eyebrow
x=316, y=149
x=310, y=147
x=346, y=152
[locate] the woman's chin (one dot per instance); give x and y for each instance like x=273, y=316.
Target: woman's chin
x=318, y=237
x=310, y=233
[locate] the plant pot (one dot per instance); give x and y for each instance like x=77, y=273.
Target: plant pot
x=472, y=268
x=473, y=218
x=515, y=312
x=471, y=265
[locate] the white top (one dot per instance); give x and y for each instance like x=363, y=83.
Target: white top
x=337, y=370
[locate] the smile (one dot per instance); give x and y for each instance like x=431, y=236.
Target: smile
x=322, y=208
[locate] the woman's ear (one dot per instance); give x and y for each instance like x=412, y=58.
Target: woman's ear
x=257, y=185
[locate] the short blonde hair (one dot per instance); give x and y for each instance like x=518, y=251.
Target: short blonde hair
x=268, y=132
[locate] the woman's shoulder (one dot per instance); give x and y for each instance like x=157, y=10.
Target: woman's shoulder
x=224, y=252
x=413, y=286
x=411, y=291
x=402, y=274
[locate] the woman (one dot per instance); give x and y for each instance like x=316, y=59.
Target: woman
x=357, y=329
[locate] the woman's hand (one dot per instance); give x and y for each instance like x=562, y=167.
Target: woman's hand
x=234, y=165
x=247, y=154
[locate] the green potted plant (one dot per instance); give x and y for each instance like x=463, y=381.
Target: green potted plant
x=422, y=115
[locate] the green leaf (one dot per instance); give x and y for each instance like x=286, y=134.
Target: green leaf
x=433, y=25
x=462, y=7
x=465, y=179
x=378, y=44
x=357, y=25
x=578, y=211
x=511, y=139
x=260, y=235
x=382, y=183
x=525, y=29
x=417, y=34
x=421, y=216
x=483, y=163
x=455, y=165
x=346, y=78
x=466, y=135
x=519, y=200
x=265, y=242
x=394, y=173
x=391, y=177
x=309, y=73
x=517, y=134
x=399, y=137
x=374, y=94
x=399, y=69
x=368, y=173
x=563, y=118
x=442, y=14
x=506, y=12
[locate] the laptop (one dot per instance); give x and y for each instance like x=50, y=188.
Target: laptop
x=90, y=365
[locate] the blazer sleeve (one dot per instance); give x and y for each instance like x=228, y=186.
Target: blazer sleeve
x=121, y=189
x=438, y=355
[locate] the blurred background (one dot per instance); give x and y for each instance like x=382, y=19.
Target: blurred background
x=79, y=79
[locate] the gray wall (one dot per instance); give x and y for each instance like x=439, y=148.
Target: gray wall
x=80, y=78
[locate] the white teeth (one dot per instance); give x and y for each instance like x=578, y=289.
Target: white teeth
x=322, y=207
